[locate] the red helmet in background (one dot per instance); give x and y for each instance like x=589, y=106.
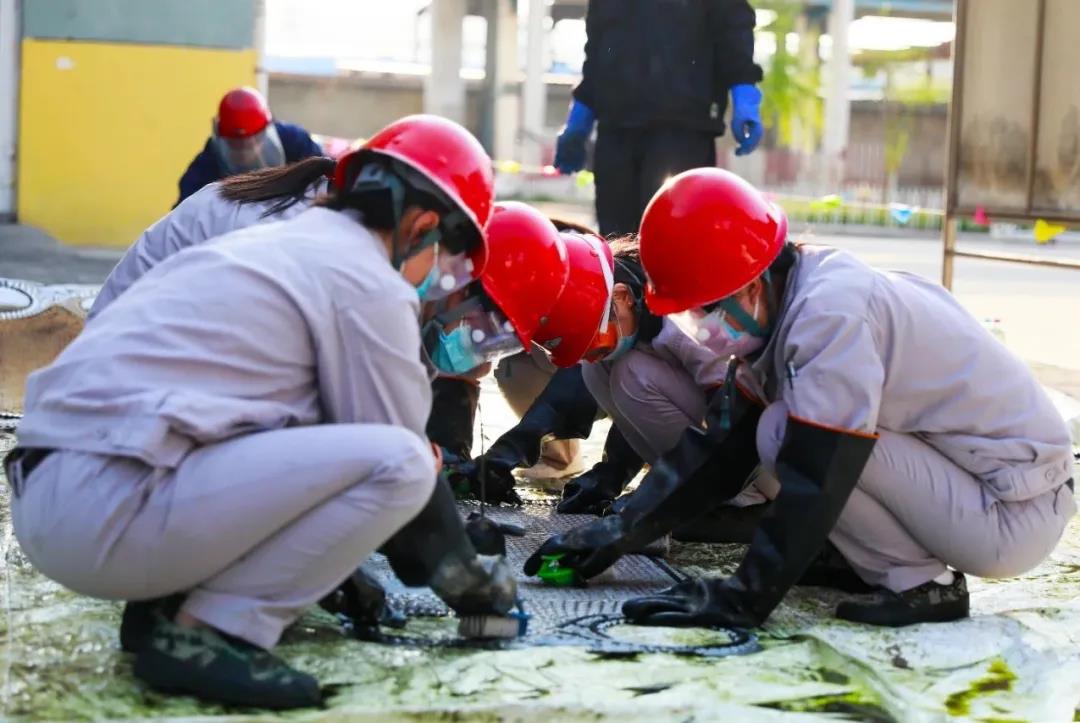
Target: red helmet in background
x=445, y=159
x=242, y=113
x=245, y=138
x=706, y=234
x=527, y=266
x=585, y=303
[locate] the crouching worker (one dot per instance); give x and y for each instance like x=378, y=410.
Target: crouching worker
x=497, y=316
x=592, y=319
x=237, y=432
x=898, y=428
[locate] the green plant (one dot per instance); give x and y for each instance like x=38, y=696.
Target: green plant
x=791, y=104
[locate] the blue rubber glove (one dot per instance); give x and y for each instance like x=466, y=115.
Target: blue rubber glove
x=570, y=148
x=746, y=125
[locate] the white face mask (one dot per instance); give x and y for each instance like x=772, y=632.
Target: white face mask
x=713, y=331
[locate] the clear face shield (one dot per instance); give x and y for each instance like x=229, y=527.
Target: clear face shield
x=464, y=335
x=608, y=332
x=450, y=273
x=259, y=150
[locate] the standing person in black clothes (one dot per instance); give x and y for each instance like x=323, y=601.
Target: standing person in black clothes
x=657, y=76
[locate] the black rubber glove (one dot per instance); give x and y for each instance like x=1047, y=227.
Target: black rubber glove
x=691, y=603
x=482, y=585
x=488, y=536
x=706, y=466
x=485, y=478
x=433, y=549
x=564, y=409
x=593, y=492
x=589, y=549
x=818, y=468
x=362, y=602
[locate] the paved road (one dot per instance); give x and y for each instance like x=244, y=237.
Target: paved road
x=1039, y=308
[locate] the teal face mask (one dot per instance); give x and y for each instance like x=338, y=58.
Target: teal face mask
x=624, y=345
x=454, y=353
x=425, y=285
x=748, y=322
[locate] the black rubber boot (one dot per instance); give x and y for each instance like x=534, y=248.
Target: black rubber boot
x=830, y=569
x=594, y=491
x=930, y=602
x=137, y=622
x=453, y=411
x=725, y=524
x=213, y=666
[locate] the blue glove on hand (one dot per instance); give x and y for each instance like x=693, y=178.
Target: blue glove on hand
x=570, y=148
x=746, y=125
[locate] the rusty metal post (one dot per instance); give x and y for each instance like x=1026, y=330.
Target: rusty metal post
x=948, y=230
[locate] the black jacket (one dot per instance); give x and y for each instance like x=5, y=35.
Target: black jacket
x=666, y=62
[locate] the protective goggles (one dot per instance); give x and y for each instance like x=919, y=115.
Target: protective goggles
x=461, y=337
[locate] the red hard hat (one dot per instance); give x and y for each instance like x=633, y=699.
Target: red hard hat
x=444, y=153
x=706, y=234
x=242, y=112
x=575, y=318
x=527, y=266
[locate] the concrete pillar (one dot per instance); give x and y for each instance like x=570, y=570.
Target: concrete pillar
x=444, y=89
x=533, y=92
x=9, y=102
x=262, y=78
x=502, y=105
x=837, y=87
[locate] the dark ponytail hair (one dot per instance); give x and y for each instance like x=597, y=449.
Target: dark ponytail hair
x=286, y=184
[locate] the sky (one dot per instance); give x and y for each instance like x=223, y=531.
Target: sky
x=354, y=32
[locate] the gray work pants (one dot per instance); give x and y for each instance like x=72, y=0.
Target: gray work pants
x=653, y=401
x=914, y=512
x=253, y=529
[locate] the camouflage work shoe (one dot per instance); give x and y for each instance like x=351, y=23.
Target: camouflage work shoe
x=213, y=666
x=930, y=602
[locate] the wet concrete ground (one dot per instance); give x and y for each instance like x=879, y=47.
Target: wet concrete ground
x=1018, y=658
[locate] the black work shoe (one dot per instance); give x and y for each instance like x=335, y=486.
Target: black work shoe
x=830, y=569
x=930, y=602
x=213, y=666
x=137, y=622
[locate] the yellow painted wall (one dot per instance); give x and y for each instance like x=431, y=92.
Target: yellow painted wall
x=106, y=130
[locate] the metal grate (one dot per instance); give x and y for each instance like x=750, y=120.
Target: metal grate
x=631, y=576
x=561, y=615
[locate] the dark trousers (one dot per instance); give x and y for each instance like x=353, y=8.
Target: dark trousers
x=632, y=163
